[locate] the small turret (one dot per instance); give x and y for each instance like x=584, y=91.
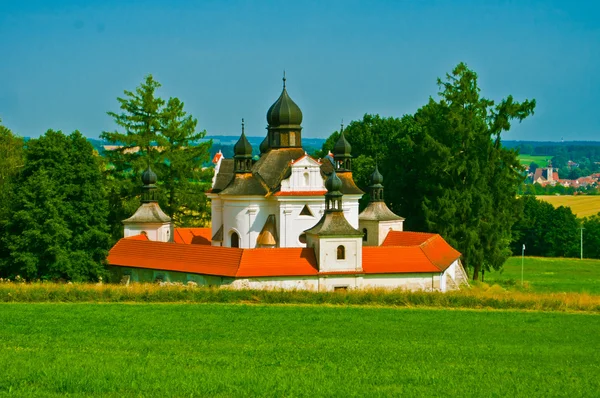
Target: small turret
x=242, y=154
x=342, y=152
x=284, y=118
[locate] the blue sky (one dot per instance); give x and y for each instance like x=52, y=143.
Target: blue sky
x=63, y=63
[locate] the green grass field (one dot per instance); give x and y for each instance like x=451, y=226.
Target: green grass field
x=541, y=161
x=551, y=274
x=254, y=350
x=581, y=205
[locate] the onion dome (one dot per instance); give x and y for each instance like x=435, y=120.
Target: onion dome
x=376, y=177
x=149, y=177
x=242, y=147
x=284, y=112
x=333, y=183
x=264, y=146
x=242, y=154
x=342, y=147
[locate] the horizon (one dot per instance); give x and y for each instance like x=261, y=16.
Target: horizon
x=67, y=61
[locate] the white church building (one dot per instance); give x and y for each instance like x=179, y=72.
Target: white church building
x=285, y=221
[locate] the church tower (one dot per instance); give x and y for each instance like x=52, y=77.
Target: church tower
x=337, y=245
x=342, y=153
x=285, y=119
x=377, y=220
x=242, y=151
x=149, y=219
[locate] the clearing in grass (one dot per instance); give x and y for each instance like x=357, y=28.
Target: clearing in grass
x=255, y=350
x=581, y=205
x=550, y=275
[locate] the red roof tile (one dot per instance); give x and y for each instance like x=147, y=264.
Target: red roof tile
x=138, y=237
x=193, y=236
x=300, y=193
x=396, y=259
x=277, y=262
x=405, y=238
x=198, y=259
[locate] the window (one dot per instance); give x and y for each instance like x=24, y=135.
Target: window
x=341, y=252
x=235, y=239
x=306, y=211
x=306, y=179
x=365, y=234
x=340, y=288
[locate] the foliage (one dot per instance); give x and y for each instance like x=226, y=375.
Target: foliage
x=161, y=134
x=591, y=238
x=254, y=350
x=11, y=162
x=545, y=230
x=57, y=228
x=445, y=169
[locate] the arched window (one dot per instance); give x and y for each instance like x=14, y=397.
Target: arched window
x=235, y=239
x=306, y=179
x=341, y=252
x=365, y=234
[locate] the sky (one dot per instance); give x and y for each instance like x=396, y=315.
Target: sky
x=64, y=63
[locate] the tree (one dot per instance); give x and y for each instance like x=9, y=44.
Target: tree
x=591, y=236
x=163, y=135
x=57, y=228
x=533, y=166
x=11, y=162
x=446, y=170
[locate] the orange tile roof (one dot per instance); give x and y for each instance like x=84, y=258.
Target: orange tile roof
x=413, y=253
x=396, y=259
x=138, y=237
x=278, y=262
x=193, y=236
x=198, y=259
x=405, y=238
x=300, y=193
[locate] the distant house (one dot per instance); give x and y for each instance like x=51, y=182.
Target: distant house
x=545, y=176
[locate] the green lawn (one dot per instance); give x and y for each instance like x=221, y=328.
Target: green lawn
x=251, y=350
x=551, y=274
x=541, y=161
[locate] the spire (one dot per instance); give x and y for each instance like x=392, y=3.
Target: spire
x=333, y=197
x=242, y=154
x=149, y=179
x=376, y=187
x=342, y=152
x=284, y=118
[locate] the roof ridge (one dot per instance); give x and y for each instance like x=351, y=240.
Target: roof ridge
x=422, y=248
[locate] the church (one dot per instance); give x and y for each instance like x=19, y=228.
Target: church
x=285, y=221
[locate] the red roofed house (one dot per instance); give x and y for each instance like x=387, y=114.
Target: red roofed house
x=285, y=221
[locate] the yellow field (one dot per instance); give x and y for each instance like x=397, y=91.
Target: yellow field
x=581, y=205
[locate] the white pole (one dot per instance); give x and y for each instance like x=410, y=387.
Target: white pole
x=522, y=261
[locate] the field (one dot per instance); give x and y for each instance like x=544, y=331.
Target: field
x=541, y=161
x=551, y=274
x=256, y=350
x=581, y=205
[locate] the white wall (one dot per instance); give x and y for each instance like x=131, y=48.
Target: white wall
x=246, y=216
x=327, y=254
x=156, y=232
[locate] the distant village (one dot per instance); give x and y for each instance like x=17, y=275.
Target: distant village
x=548, y=176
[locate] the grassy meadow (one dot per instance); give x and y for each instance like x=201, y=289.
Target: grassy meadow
x=257, y=350
x=546, y=274
x=541, y=161
x=581, y=205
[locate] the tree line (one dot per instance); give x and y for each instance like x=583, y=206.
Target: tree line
x=61, y=204
x=445, y=170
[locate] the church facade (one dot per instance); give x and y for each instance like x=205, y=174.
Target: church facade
x=286, y=221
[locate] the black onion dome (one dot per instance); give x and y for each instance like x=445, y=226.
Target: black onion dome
x=242, y=147
x=264, y=145
x=284, y=112
x=376, y=177
x=333, y=183
x=342, y=146
x=149, y=177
